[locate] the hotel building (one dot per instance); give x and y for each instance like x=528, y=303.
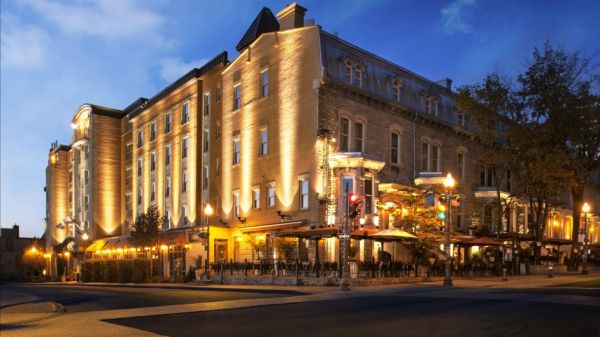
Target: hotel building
x=272, y=140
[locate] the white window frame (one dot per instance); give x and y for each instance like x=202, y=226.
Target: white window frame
x=168, y=186
x=168, y=122
x=152, y=161
x=435, y=158
x=235, y=195
x=345, y=134
x=237, y=151
x=206, y=103
x=304, y=195
x=184, y=181
x=153, y=131
x=140, y=138
x=356, y=137
x=168, y=155
x=395, y=160
x=185, y=147
x=271, y=195
x=264, y=86
x=205, y=177
x=256, y=197
x=264, y=143
x=237, y=96
x=185, y=113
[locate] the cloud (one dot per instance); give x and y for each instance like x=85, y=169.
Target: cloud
x=22, y=45
x=452, y=17
x=122, y=19
x=171, y=68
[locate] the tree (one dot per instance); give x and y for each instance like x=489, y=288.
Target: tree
x=491, y=106
x=144, y=232
x=557, y=92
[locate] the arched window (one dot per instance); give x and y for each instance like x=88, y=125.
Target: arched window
x=348, y=71
x=396, y=88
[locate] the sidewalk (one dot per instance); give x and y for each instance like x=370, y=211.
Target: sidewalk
x=17, y=308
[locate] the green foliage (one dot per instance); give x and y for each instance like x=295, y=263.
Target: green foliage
x=87, y=272
x=33, y=264
x=98, y=271
x=257, y=245
x=139, y=270
x=144, y=231
x=112, y=271
x=125, y=268
x=285, y=247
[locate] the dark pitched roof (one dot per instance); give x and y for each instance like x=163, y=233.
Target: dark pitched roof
x=144, y=103
x=265, y=22
x=105, y=111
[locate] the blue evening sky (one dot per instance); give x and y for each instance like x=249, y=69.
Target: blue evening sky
x=57, y=55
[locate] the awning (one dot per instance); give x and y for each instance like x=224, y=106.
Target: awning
x=116, y=242
x=482, y=241
x=364, y=233
x=173, y=237
x=272, y=227
x=393, y=234
x=309, y=233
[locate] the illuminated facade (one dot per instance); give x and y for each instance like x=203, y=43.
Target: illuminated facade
x=272, y=139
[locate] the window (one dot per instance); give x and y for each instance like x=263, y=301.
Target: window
x=86, y=202
x=359, y=73
x=368, y=194
x=358, y=137
x=167, y=224
x=139, y=196
x=185, y=113
x=425, y=157
x=86, y=176
x=206, y=103
x=348, y=71
x=128, y=205
x=460, y=165
x=140, y=165
x=436, y=107
x=186, y=215
x=255, y=197
x=395, y=148
x=152, y=131
x=184, y=147
x=347, y=187
x=168, y=122
x=236, y=202
x=486, y=176
x=218, y=93
x=206, y=140
x=167, y=155
x=218, y=132
x=271, y=194
x=217, y=167
x=487, y=216
x=153, y=191
x=264, y=83
x=396, y=87
x=435, y=158
x=304, y=193
x=140, y=138
x=344, y=134
x=153, y=161
x=237, y=96
x=205, y=177
x=128, y=175
x=264, y=146
x=184, y=183
x=461, y=118
x=128, y=152
x=167, y=187
x=236, y=151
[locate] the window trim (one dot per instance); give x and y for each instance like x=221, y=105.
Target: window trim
x=237, y=100
x=263, y=147
x=187, y=114
x=263, y=85
x=236, y=159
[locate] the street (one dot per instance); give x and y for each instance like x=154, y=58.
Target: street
x=523, y=306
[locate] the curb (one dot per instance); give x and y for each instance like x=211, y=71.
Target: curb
x=190, y=287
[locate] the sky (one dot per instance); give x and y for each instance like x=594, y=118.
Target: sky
x=57, y=55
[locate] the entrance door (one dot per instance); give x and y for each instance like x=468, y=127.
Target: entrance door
x=220, y=250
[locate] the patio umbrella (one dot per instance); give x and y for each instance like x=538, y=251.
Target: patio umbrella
x=484, y=241
x=393, y=234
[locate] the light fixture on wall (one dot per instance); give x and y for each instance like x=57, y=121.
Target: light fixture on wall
x=282, y=216
x=242, y=220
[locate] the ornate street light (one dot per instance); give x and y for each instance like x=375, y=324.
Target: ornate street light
x=208, y=211
x=586, y=210
x=449, y=183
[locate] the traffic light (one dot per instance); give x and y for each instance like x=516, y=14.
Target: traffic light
x=354, y=205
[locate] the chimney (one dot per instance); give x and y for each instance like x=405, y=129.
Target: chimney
x=447, y=83
x=292, y=16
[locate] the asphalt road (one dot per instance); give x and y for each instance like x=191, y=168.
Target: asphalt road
x=408, y=313
x=79, y=298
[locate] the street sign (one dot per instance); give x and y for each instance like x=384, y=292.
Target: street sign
x=344, y=236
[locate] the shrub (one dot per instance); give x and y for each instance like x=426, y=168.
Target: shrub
x=112, y=271
x=87, y=271
x=98, y=271
x=138, y=270
x=125, y=271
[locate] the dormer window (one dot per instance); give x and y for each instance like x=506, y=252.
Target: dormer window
x=359, y=74
x=396, y=87
x=348, y=71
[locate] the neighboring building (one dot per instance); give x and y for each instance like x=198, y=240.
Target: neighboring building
x=272, y=139
x=12, y=246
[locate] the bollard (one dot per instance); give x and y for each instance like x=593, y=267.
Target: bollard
x=504, y=273
x=550, y=271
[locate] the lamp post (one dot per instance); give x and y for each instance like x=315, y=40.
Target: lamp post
x=85, y=237
x=208, y=211
x=448, y=184
x=586, y=210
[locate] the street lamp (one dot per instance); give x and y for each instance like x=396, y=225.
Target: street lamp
x=449, y=183
x=85, y=237
x=208, y=211
x=586, y=210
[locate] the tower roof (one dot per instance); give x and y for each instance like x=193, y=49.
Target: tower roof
x=265, y=22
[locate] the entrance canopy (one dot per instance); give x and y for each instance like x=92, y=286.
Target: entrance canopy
x=393, y=234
